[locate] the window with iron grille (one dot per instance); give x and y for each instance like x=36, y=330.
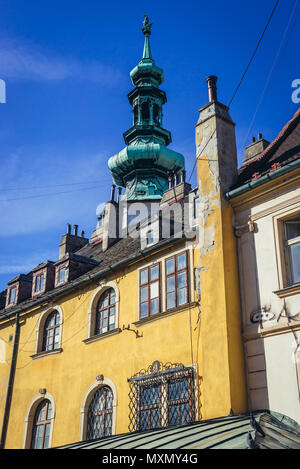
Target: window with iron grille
x=99, y=422
x=161, y=396
x=150, y=291
x=176, y=280
x=51, y=337
x=106, y=312
x=42, y=425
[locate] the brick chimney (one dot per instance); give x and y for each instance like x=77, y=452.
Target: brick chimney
x=71, y=242
x=255, y=149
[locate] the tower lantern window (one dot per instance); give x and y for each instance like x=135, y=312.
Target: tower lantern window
x=145, y=111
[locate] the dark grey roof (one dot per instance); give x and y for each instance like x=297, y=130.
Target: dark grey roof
x=232, y=432
x=120, y=252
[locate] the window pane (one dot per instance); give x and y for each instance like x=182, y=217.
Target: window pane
x=107, y=424
x=112, y=298
x=170, y=266
x=111, y=319
x=154, y=418
x=178, y=389
x=154, y=306
x=196, y=207
x=150, y=394
x=293, y=229
x=181, y=280
x=144, y=276
x=185, y=413
x=154, y=272
x=49, y=413
x=144, y=310
x=149, y=237
x=174, y=415
x=144, y=419
x=105, y=301
x=182, y=296
x=12, y=295
x=171, y=283
x=171, y=300
x=295, y=260
x=154, y=290
x=144, y=294
x=62, y=275
x=181, y=261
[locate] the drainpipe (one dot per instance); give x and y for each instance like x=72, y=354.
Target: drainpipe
x=10, y=383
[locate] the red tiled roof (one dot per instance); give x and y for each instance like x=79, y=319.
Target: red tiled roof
x=284, y=149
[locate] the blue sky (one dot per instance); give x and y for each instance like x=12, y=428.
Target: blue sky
x=66, y=66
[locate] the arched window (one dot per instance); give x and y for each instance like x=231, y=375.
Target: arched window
x=100, y=412
x=42, y=425
x=51, y=336
x=106, y=312
x=145, y=111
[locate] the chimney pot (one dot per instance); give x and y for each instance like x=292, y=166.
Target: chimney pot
x=253, y=139
x=212, y=88
x=259, y=136
x=112, y=192
x=119, y=194
x=76, y=230
x=68, y=228
x=82, y=234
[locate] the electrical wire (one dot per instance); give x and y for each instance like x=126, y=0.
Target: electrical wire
x=49, y=194
x=48, y=186
x=254, y=53
x=271, y=71
x=242, y=78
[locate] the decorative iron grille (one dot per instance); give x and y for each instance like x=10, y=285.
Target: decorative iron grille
x=99, y=422
x=161, y=395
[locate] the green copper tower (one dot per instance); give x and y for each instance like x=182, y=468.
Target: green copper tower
x=144, y=166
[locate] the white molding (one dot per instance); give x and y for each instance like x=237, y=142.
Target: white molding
x=29, y=418
x=93, y=304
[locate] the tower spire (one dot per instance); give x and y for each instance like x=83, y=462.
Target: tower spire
x=143, y=167
x=146, y=30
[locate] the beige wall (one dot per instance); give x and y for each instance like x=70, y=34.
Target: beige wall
x=271, y=311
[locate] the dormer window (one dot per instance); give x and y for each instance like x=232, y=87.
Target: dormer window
x=39, y=283
x=149, y=238
x=12, y=295
x=62, y=275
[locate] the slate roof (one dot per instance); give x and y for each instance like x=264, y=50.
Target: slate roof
x=283, y=150
x=232, y=432
x=122, y=250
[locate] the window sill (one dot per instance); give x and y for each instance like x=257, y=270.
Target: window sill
x=164, y=314
x=46, y=353
x=94, y=338
x=288, y=291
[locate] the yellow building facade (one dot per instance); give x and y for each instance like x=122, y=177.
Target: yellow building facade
x=150, y=325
